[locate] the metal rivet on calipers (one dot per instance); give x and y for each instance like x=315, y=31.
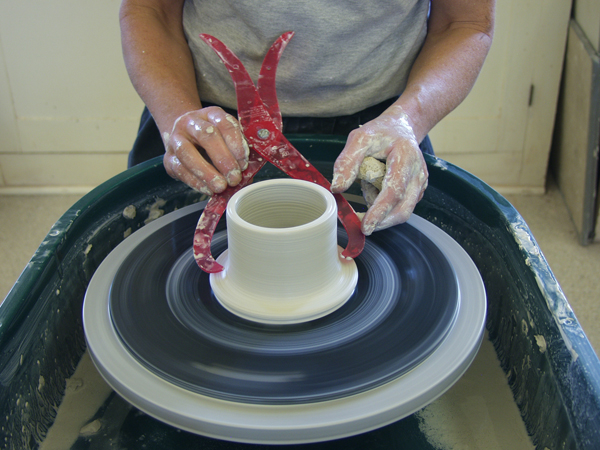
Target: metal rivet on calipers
x=263, y=133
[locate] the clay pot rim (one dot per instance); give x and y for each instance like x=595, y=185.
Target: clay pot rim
x=234, y=203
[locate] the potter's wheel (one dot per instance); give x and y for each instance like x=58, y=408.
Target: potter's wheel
x=162, y=340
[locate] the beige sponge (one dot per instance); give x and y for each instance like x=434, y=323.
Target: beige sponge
x=372, y=171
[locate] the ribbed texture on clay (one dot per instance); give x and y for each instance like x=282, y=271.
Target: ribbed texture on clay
x=282, y=264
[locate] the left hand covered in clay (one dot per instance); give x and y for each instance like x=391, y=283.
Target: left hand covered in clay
x=389, y=137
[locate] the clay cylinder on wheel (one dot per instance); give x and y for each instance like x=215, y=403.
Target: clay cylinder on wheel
x=283, y=263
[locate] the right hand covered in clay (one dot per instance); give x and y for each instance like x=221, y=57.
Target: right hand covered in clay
x=206, y=150
x=390, y=138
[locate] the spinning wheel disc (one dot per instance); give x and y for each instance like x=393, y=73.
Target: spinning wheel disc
x=164, y=312
x=162, y=340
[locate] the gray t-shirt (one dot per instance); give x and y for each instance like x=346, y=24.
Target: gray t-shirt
x=345, y=56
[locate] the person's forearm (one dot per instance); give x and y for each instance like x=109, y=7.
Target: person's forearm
x=158, y=58
x=447, y=66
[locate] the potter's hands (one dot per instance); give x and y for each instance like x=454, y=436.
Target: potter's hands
x=389, y=137
x=206, y=150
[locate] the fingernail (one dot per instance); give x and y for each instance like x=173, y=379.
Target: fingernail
x=219, y=184
x=203, y=190
x=243, y=163
x=234, y=177
x=337, y=182
x=368, y=228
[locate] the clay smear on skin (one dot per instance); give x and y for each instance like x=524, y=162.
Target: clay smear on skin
x=232, y=120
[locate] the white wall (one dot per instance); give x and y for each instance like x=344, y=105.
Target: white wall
x=587, y=14
x=502, y=132
x=68, y=113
